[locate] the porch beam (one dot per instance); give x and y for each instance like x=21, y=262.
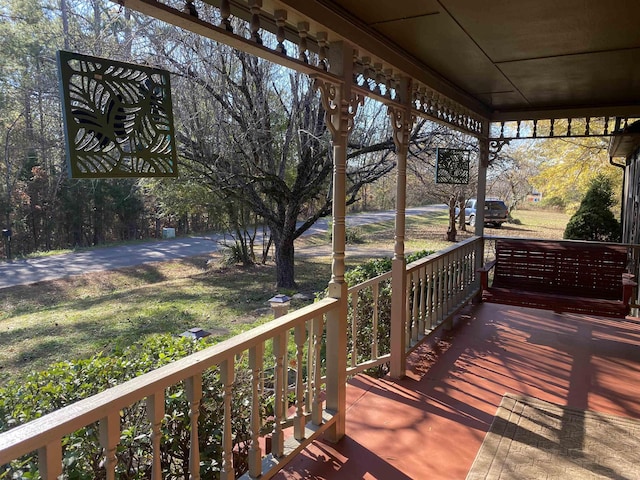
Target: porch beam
x=375, y=72
x=220, y=34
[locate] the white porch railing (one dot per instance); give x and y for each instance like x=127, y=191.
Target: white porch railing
x=437, y=286
x=307, y=416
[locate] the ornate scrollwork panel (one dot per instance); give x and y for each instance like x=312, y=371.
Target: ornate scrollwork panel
x=118, y=118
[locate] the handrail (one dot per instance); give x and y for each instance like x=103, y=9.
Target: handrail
x=449, y=276
x=47, y=431
x=441, y=253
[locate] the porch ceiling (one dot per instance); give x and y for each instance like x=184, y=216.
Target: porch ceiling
x=514, y=57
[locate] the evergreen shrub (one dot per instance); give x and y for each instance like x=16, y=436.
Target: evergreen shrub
x=594, y=219
x=67, y=382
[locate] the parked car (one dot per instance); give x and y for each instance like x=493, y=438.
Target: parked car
x=495, y=212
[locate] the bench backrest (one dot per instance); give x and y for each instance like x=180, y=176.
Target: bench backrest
x=563, y=267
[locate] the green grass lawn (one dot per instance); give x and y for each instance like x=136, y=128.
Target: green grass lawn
x=80, y=316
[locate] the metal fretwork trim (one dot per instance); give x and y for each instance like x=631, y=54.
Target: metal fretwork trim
x=568, y=127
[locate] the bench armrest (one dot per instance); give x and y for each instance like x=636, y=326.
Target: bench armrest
x=629, y=279
x=484, y=274
x=628, y=284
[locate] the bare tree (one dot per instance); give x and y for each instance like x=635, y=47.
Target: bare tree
x=259, y=138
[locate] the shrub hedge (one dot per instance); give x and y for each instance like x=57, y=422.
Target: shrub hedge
x=67, y=382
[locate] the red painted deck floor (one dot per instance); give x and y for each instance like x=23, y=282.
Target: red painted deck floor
x=431, y=424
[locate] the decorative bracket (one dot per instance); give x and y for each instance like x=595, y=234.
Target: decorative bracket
x=495, y=145
x=401, y=122
x=339, y=112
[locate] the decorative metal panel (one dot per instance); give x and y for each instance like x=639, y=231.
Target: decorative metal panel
x=452, y=166
x=118, y=118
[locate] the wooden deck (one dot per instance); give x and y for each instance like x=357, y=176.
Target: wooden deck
x=432, y=423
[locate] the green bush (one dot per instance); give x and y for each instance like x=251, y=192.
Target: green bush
x=353, y=235
x=365, y=306
x=594, y=219
x=67, y=382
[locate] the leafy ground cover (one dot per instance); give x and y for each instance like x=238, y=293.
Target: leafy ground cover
x=79, y=316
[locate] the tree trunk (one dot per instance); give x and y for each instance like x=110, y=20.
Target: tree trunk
x=462, y=225
x=451, y=231
x=285, y=274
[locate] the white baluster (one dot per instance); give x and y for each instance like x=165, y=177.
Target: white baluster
x=155, y=414
x=375, y=319
x=194, y=396
x=281, y=20
x=429, y=285
x=427, y=96
x=379, y=79
x=225, y=13
x=366, y=71
x=280, y=389
x=255, y=6
x=322, y=39
x=388, y=82
x=109, y=439
x=357, y=66
x=303, y=31
x=227, y=379
x=256, y=364
x=300, y=337
x=317, y=327
x=50, y=460
x=415, y=316
x=423, y=301
x=354, y=327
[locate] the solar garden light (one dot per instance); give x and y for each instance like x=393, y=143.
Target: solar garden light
x=280, y=305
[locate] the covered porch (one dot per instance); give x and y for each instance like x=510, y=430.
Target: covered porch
x=431, y=423
x=503, y=72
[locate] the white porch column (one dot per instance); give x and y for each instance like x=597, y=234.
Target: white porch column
x=482, y=184
x=402, y=122
x=340, y=105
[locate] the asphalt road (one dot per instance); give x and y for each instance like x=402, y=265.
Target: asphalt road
x=26, y=271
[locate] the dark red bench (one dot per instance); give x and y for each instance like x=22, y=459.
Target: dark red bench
x=571, y=276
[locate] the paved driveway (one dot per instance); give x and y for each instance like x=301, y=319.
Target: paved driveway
x=22, y=272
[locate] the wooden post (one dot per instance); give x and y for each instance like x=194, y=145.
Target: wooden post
x=193, y=386
x=482, y=185
x=402, y=121
x=50, y=460
x=155, y=414
x=340, y=106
